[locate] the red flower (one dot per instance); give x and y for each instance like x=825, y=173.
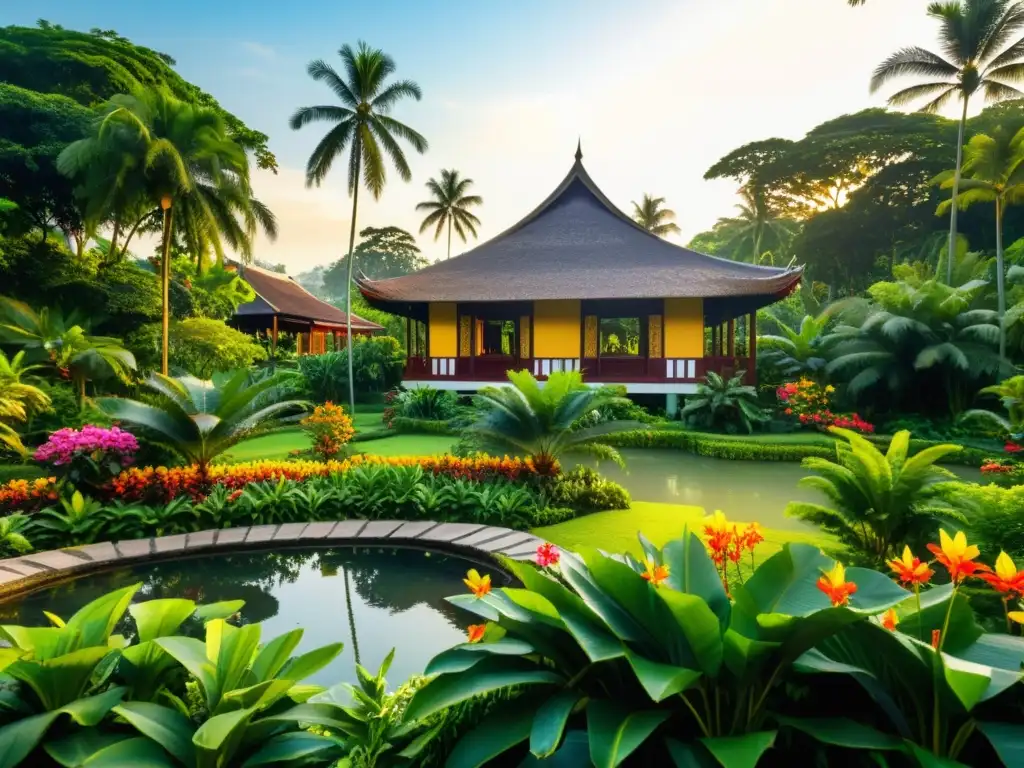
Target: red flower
x=1012, y=447
x=547, y=554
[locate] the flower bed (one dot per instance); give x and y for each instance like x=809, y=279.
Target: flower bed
x=810, y=403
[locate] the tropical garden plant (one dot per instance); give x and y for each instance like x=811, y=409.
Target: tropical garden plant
x=19, y=400
x=329, y=428
x=879, y=502
x=796, y=352
x=1011, y=395
x=363, y=125
x=450, y=207
x=200, y=420
x=536, y=419
x=651, y=214
x=979, y=59
x=726, y=404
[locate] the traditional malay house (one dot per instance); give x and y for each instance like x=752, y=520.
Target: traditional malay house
x=578, y=285
x=282, y=305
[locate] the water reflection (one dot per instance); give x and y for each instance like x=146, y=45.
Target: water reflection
x=372, y=600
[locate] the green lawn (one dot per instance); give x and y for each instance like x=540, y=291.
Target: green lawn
x=278, y=445
x=407, y=445
x=616, y=532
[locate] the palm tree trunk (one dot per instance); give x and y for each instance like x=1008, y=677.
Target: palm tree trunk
x=112, y=251
x=351, y=617
x=449, y=236
x=133, y=230
x=165, y=286
x=1000, y=278
x=956, y=192
x=348, y=287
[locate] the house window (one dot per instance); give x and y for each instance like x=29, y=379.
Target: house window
x=620, y=336
x=497, y=337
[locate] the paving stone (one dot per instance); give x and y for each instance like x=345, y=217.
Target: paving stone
x=231, y=536
x=97, y=553
x=200, y=539
x=525, y=556
x=317, y=530
x=486, y=534
x=413, y=530
x=450, y=531
x=261, y=533
x=21, y=567
x=7, y=577
x=56, y=559
x=379, y=529
x=290, y=531
x=134, y=547
x=346, y=529
x=505, y=542
x=174, y=543
x=528, y=548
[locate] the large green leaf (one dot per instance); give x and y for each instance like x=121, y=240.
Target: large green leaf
x=94, y=622
x=550, y=721
x=695, y=620
x=489, y=675
x=574, y=752
x=740, y=751
x=306, y=664
x=222, y=610
x=296, y=746
x=160, y=618
x=76, y=749
x=59, y=680
x=191, y=654
x=136, y=752
x=464, y=656
x=1007, y=739
x=221, y=734
x=843, y=732
x=501, y=730
x=231, y=649
x=145, y=669
x=661, y=680
x=598, y=643
x=785, y=583
x=615, y=732
x=167, y=727
x=615, y=618
x=275, y=654
x=926, y=759
x=691, y=571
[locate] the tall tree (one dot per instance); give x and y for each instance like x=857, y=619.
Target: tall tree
x=759, y=230
x=651, y=214
x=450, y=206
x=179, y=156
x=973, y=36
x=993, y=173
x=362, y=124
x=383, y=252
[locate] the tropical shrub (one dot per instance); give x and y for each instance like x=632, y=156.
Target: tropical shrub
x=91, y=456
x=426, y=427
x=1003, y=471
x=377, y=362
x=585, y=490
x=12, y=538
x=879, y=502
x=200, y=420
x=723, y=404
x=204, y=347
x=796, y=352
x=715, y=446
x=993, y=515
x=329, y=428
x=19, y=400
x=527, y=418
x=653, y=663
x=1010, y=426
x=810, y=404
x=425, y=404
x=618, y=407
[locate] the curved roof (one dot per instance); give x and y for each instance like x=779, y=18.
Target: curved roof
x=278, y=294
x=578, y=245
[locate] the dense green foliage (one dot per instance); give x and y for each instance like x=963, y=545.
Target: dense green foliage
x=584, y=490
x=993, y=516
x=203, y=347
x=378, y=362
x=725, y=404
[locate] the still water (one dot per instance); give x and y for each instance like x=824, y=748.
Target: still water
x=372, y=600
x=743, y=490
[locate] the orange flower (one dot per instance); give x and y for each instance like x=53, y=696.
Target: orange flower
x=890, y=620
x=936, y=638
x=752, y=536
x=834, y=584
x=478, y=585
x=716, y=529
x=476, y=632
x=655, y=573
x=910, y=569
x=957, y=556
x=1006, y=577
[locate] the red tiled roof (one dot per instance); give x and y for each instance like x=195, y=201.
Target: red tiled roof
x=578, y=245
x=282, y=295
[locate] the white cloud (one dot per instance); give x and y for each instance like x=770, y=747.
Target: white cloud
x=259, y=50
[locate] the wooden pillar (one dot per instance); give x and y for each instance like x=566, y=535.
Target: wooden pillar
x=273, y=339
x=752, y=349
x=732, y=338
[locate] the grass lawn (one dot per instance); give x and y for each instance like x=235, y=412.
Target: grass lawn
x=407, y=445
x=278, y=445
x=615, y=532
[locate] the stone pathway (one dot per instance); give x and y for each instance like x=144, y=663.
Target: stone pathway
x=29, y=571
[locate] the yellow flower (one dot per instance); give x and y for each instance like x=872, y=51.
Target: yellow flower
x=957, y=556
x=890, y=620
x=830, y=389
x=834, y=584
x=655, y=573
x=478, y=585
x=1017, y=616
x=716, y=523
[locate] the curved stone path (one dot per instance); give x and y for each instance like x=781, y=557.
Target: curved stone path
x=31, y=570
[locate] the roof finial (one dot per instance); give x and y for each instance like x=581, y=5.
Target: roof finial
x=579, y=150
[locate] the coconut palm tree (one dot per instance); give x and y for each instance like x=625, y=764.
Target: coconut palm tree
x=65, y=343
x=651, y=214
x=450, y=206
x=994, y=173
x=973, y=36
x=362, y=125
x=535, y=420
x=879, y=502
x=201, y=419
x=172, y=155
x=761, y=231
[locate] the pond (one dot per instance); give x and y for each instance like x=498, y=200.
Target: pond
x=372, y=600
x=743, y=490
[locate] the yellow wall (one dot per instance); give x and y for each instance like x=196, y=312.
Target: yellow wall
x=556, y=329
x=444, y=333
x=684, y=328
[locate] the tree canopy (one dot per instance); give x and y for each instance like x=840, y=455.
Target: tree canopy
x=382, y=252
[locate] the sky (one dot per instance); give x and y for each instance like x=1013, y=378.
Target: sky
x=656, y=91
